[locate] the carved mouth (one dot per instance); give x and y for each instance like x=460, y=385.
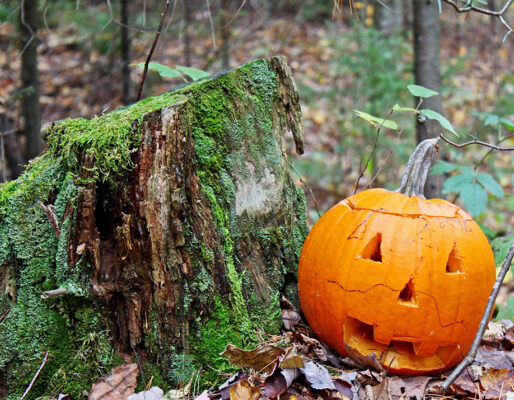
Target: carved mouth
x=406, y=355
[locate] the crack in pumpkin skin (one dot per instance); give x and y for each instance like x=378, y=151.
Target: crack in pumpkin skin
x=396, y=291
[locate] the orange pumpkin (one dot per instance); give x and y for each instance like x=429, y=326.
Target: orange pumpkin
x=397, y=275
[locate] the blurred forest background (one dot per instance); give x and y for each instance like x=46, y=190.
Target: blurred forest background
x=71, y=58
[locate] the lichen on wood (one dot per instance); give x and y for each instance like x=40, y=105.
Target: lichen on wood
x=179, y=227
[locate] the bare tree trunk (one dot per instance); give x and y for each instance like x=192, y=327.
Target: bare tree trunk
x=225, y=33
x=406, y=18
x=28, y=24
x=125, y=52
x=11, y=148
x=427, y=71
x=187, y=36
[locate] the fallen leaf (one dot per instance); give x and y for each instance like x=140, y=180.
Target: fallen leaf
x=242, y=390
x=412, y=387
x=224, y=389
x=317, y=376
x=492, y=358
x=291, y=360
x=278, y=382
x=154, y=393
x=120, y=383
x=290, y=319
x=203, y=396
x=260, y=359
x=496, y=382
x=368, y=361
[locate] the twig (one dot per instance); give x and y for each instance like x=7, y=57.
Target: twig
x=308, y=188
x=483, y=323
x=139, y=365
x=4, y=314
x=471, y=7
x=476, y=141
x=361, y=172
x=49, y=211
x=157, y=34
x=35, y=376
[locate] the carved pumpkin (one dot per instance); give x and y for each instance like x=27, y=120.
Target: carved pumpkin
x=397, y=275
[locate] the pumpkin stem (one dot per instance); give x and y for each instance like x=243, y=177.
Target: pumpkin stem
x=415, y=175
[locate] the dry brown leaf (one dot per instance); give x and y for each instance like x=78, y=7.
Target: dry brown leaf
x=496, y=382
x=412, y=387
x=120, y=383
x=242, y=390
x=260, y=359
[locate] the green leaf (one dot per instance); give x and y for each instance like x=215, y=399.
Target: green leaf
x=490, y=184
x=193, y=73
x=162, y=70
x=508, y=123
x=420, y=91
x=397, y=107
x=438, y=117
x=455, y=183
x=491, y=119
x=474, y=198
x=443, y=167
x=490, y=233
x=506, y=311
x=501, y=246
x=375, y=121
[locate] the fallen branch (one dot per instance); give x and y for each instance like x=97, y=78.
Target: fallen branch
x=4, y=314
x=468, y=360
x=476, y=141
x=54, y=293
x=35, y=376
x=157, y=34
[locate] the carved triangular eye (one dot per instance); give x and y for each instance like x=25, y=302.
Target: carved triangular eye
x=372, y=250
x=407, y=295
x=454, y=263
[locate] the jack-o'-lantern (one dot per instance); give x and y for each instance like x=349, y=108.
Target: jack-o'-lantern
x=395, y=274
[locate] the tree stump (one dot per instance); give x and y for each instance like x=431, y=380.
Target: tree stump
x=168, y=228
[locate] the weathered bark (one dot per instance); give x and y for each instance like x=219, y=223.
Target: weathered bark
x=427, y=71
x=28, y=25
x=183, y=239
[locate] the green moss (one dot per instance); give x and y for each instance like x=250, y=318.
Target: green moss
x=110, y=138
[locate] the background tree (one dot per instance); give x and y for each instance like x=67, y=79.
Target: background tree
x=28, y=26
x=427, y=71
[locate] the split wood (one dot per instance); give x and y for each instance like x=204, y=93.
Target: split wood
x=483, y=323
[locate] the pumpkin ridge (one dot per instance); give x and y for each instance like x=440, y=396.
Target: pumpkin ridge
x=408, y=215
x=396, y=291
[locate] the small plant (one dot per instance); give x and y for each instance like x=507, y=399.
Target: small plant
x=180, y=71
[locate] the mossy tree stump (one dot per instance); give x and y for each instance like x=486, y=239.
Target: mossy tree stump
x=173, y=225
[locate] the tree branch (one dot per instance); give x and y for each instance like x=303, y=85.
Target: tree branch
x=471, y=7
x=157, y=34
x=483, y=323
x=476, y=141
x=35, y=376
